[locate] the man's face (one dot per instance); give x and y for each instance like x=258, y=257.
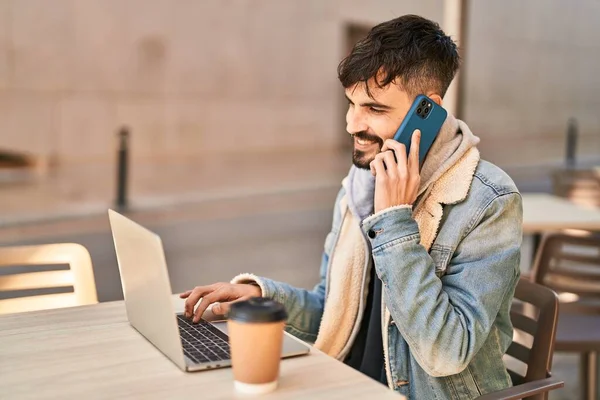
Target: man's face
x=373, y=120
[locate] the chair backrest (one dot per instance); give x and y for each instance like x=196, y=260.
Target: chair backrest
x=570, y=265
x=534, y=315
x=20, y=289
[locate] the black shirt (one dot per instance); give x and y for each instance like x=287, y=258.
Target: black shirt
x=366, y=354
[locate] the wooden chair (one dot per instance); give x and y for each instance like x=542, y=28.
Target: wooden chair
x=569, y=263
x=534, y=315
x=80, y=277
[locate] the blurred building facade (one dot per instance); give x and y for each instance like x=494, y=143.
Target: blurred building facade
x=206, y=77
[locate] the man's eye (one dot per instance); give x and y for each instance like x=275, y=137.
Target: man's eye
x=375, y=110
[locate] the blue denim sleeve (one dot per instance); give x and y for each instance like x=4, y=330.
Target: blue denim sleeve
x=446, y=320
x=304, y=307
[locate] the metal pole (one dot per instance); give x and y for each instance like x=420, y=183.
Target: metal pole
x=122, y=164
x=454, y=24
x=571, y=143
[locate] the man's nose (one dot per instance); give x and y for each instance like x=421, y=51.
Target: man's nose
x=355, y=122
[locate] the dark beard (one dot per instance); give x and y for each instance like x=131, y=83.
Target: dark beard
x=359, y=157
x=360, y=160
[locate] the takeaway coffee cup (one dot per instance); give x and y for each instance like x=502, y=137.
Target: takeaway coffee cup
x=255, y=328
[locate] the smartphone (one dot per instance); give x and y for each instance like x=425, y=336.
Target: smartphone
x=428, y=117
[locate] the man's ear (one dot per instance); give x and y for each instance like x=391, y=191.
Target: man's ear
x=436, y=98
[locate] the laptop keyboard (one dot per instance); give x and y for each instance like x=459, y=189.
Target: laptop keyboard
x=203, y=342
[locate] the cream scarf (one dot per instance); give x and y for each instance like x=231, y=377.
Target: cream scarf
x=446, y=178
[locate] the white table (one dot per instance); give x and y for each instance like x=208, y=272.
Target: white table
x=544, y=212
x=92, y=352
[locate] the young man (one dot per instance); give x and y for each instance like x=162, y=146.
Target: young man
x=420, y=267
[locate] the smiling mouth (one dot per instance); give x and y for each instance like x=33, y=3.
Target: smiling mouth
x=364, y=142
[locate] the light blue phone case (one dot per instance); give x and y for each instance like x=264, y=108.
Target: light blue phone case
x=429, y=124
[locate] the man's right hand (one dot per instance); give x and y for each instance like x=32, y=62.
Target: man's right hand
x=224, y=293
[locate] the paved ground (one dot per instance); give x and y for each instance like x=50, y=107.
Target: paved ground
x=276, y=235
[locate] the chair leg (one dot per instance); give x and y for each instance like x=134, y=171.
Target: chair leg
x=589, y=375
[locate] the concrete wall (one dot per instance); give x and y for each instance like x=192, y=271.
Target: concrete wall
x=191, y=77
x=188, y=77
x=530, y=66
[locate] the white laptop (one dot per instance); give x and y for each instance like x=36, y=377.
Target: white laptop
x=149, y=304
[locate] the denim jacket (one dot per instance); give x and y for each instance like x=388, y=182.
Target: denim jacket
x=447, y=322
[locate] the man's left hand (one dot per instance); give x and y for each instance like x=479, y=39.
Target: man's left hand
x=397, y=179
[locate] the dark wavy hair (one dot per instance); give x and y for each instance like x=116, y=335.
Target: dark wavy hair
x=410, y=51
